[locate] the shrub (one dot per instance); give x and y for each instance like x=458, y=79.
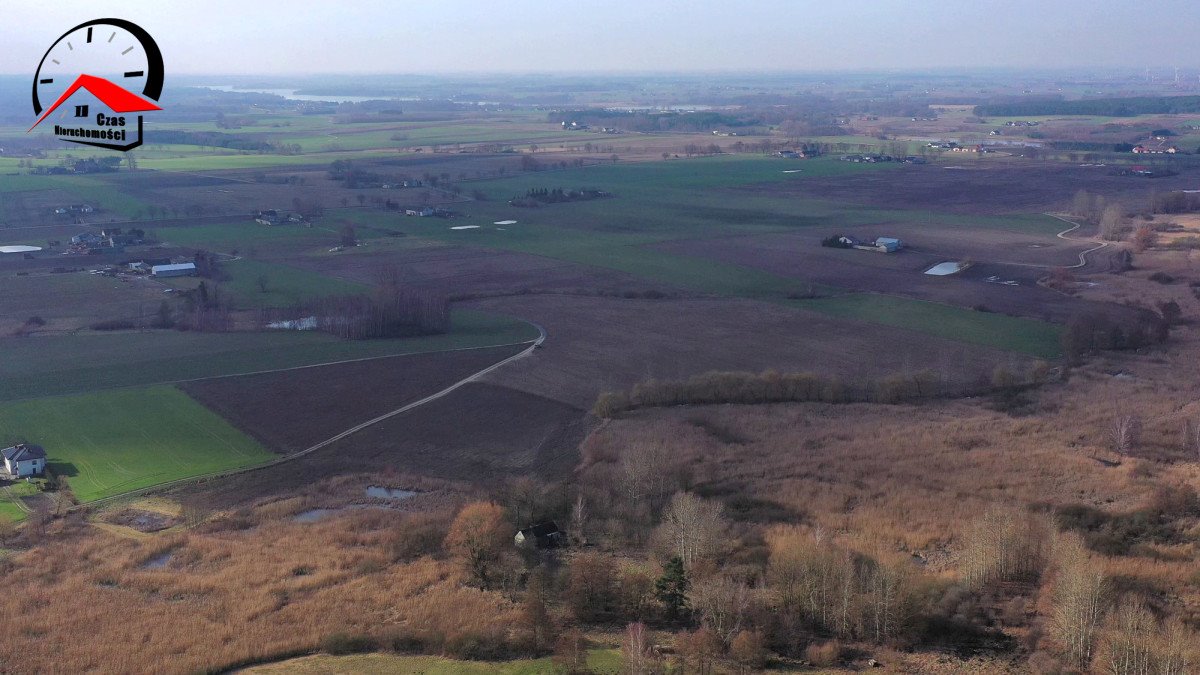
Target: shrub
x=342, y=643
x=749, y=649
x=1162, y=278
x=114, y=324
x=823, y=654
x=591, y=592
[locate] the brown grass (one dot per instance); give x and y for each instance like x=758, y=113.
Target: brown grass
x=86, y=603
x=914, y=478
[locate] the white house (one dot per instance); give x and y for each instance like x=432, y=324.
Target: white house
x=23, y=460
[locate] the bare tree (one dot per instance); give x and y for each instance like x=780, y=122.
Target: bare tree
x=1191, y=438
x=1178, y=649
x=1112, y=222
x=579, y=521
x=1080, y=600
x=722, y=605
x=1125, y=434
x=1129, y=640
x=635, y=650
x=693, y=528
x=1003, y=545
x=650, y=473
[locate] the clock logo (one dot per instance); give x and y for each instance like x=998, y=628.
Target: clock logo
x=110, y=71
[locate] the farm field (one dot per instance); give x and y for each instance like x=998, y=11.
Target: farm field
x=1028, y=336
x=599, y=344
x=902, y=275
x=78, y=299
x=312, y=404
x=481, y=434
x=984, y=187
x=109, y=443
x=50, y=365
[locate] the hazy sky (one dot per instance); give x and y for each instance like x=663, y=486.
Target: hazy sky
x=401, y=36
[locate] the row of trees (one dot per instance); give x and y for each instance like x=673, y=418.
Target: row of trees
x=1088, y=333
x=389, y=312
x=774, y=387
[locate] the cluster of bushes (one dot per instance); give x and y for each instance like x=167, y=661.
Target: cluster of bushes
x=536, y=196
x=390, y=312
x=1123, y=533
x=773, y=387
x=1175, y=202
x=1089, y=333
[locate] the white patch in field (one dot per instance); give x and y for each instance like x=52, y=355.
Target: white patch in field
x=945, y=269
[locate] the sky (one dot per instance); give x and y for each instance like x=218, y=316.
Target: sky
x=586, y=36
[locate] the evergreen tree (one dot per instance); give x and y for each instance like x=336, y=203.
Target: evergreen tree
x=672, y=587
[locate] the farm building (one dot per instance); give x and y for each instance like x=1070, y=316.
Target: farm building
x=23, y=460
x=888, y=244
x=542, y=535
x=1155, y=150
x=180, y=270
x=424, y=212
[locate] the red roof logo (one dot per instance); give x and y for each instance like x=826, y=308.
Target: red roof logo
x=117, y=99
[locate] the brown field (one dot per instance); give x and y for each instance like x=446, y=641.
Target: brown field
x=1186, y=225
x=599, y=344
x=74, y=300
x=480, y=433
x=454, y=270
x=291, y=410
x=985, y=185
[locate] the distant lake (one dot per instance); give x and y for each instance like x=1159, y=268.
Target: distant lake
x=292, y=95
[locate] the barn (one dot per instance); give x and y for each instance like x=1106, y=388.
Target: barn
x=180, y=270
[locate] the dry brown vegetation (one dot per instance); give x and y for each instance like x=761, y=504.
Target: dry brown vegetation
x=243, y=587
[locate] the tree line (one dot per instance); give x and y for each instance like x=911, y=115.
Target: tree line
x=1107, y=107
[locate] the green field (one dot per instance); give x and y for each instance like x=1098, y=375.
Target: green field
x=67, y=364
x=285, y=285
x=1028, y=336
x=109, y=443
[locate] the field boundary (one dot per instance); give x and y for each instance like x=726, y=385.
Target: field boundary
x=533, y=344
x=288, y=368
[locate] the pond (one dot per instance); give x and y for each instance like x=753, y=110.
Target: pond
x=389, y=493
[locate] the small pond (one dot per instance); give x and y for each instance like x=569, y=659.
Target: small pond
x=389, y=493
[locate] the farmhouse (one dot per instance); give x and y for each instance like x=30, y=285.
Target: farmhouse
x=542, y=535
x=180, y=270
x=423, y=212
x=22, y=460
x=1155, y=150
